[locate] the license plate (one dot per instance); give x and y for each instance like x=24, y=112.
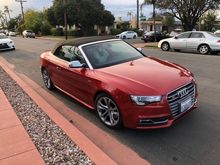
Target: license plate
x=185, y=105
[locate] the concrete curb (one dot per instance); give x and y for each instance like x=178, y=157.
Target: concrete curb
x=90, y=149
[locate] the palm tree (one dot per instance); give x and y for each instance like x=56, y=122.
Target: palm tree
x=6, y=10
x=2, y=19
x=120, y=19
x=153, y=2
x=130, y=15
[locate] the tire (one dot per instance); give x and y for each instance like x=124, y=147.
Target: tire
x=124, y=37
x=165, y=46
x=204, y=49
x=47, y=80
x=134, y=36
x=108, y=111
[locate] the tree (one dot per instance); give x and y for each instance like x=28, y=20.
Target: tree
x=210, y=21
x=7, y=11
x=168, y=20
x=3, y=19
x=82, y=13
x=36, y=21
x=153, y=2
x=188, y=11
x=130, y=15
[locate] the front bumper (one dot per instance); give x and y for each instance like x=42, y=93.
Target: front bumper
x=152, y=117
x=172, y=107
x=7, y=46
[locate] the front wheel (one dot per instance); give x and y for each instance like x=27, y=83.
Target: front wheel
x=47, y=80
x=165, y=46
x=134, y=36
x=108, y=111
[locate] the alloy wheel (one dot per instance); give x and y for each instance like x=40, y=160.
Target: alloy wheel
x=108, y=111
x=165, y=46
x=204, y=49
x=46, y=79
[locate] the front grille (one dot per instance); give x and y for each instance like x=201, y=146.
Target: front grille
x=174, y=98
x=4, y=46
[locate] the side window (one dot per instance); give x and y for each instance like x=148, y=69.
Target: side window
x=68, y=53
x=184, y=35
x=197, y=35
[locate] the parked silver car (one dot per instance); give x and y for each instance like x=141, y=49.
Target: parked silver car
x=203, y=42
x=28, y=33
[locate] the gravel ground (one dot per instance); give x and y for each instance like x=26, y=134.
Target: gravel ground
x=53, y=144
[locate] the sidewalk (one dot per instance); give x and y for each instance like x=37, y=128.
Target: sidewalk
x=16, y=146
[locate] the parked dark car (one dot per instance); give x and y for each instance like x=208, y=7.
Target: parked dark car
x=149, y=36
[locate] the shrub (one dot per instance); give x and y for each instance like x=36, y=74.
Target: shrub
x=57, y=31
x=45, y=28
x=115, y=31
x=76, y=33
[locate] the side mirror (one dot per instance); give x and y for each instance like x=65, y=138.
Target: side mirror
x=76, y=64
x=140, y=49
x=175, y=37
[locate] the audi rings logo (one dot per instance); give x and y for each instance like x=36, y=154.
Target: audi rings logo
x=183, y=92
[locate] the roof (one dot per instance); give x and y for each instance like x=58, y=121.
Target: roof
x=82, y=41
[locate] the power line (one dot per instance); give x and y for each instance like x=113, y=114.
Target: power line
x=22, y=8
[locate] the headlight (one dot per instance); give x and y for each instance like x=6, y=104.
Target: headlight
x=145, y=100
x=10, y=42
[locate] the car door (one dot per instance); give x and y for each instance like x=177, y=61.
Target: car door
x=77, y=80
x=180, y=41
x=59, y=65
x=196, y=38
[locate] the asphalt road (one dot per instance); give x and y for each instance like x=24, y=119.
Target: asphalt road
x=193, y=140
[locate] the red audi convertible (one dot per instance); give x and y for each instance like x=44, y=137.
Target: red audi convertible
x=123, y=85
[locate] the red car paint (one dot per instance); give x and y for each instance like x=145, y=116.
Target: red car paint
x=145, y=76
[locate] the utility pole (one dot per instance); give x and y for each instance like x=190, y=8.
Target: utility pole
x=22, y=8
x=137, y=16
x=154, y=17
x=65, y=18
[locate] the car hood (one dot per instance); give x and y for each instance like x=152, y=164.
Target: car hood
x=5, y=40
x=147, y=74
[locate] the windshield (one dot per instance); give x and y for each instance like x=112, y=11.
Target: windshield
x=110, y=53
x=3, y=36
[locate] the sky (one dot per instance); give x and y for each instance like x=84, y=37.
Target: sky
x=119, y=8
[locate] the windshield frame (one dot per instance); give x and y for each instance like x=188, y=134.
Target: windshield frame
x=103, y=41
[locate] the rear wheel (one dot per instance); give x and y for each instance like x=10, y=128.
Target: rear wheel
x=124, y=37
x=46, y=78
x=108, y=111
x=165, y=46
x=204, y=49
